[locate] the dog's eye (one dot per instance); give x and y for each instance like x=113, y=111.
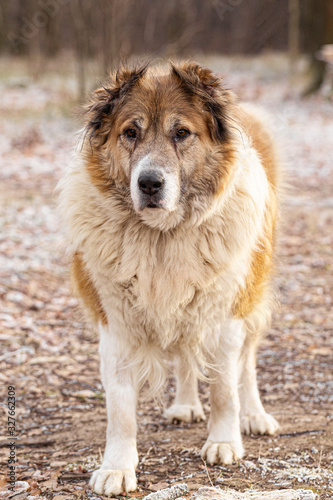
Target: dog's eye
x=130, y=133
x=182, y=134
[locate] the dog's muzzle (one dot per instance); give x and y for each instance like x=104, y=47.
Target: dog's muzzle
x=153, y=185
x=150, y=185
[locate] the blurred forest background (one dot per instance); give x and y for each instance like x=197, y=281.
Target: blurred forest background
x=103, y=32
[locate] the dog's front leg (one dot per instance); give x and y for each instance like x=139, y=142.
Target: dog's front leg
x=224, y=443
x=117, y=472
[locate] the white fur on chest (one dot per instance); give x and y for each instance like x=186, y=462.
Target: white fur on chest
x=163, y=279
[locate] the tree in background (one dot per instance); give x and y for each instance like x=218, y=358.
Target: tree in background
x=79, y=17
x=294, y=32
x=105, y=31
x=157, y=27
x=316, y=30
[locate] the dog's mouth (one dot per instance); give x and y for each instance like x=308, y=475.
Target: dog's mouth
x=152, y=204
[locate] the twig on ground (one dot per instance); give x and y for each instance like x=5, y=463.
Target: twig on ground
x=209, y=478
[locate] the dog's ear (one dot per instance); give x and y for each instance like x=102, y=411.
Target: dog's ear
x=104, y=100
x=197, y=77
x=208, y=87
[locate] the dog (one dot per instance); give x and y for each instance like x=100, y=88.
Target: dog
x=171, y=212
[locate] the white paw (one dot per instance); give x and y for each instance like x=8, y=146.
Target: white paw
x=112, y=482
x=185, y=413
x=258, y=423
x=222, y=453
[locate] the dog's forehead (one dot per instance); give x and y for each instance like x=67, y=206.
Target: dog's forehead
x=163, y=90
x=159, y=98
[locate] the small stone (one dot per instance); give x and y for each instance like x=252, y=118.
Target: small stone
x=169, y=493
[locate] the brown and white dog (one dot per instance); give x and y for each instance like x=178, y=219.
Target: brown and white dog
x=171, y=213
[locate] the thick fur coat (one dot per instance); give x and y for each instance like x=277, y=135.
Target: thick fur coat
x=171, y=211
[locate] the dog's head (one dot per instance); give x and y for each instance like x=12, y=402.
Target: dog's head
x=162, y=140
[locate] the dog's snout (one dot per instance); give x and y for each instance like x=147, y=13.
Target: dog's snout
x=150, y=182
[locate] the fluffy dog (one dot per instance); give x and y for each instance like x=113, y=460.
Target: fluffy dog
x=171, y=212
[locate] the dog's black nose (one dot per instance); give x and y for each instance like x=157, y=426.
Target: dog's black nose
x=150, y=182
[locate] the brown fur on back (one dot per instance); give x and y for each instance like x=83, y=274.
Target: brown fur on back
x=258, y=279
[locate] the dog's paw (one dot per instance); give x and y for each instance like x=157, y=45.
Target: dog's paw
x=222, y=453
x=112, y=482
x=258, y=423
x=185, y=413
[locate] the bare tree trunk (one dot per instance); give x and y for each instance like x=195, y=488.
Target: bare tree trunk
x=314, y=37
x=35, y=56
x=110, y=10
x=3, y=12
x=81, y=44
x=181, y=24
x=150, y=24
x=294, y=32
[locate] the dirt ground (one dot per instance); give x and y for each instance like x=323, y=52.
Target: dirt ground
x=49, y=355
